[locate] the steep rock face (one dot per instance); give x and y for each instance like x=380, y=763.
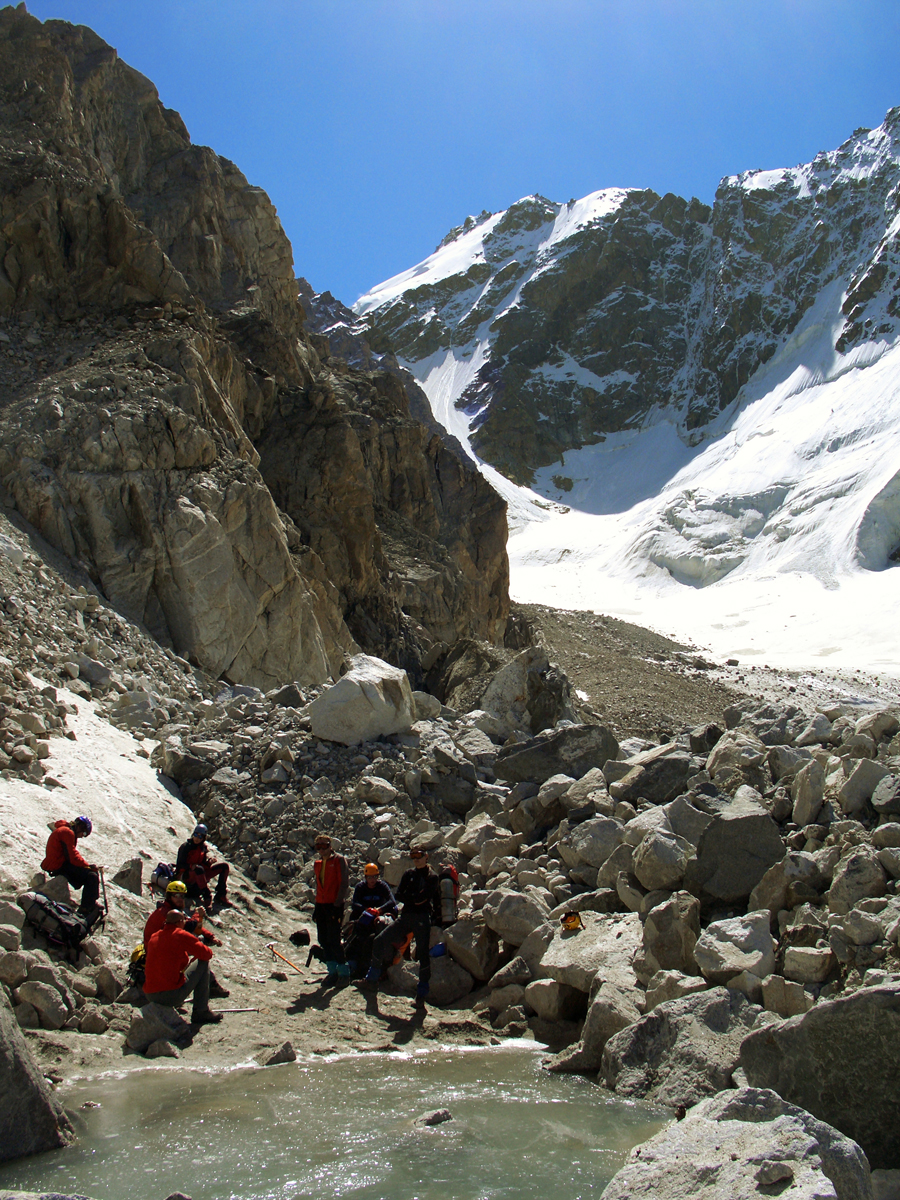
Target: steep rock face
x=556, y=325
x=157, y=369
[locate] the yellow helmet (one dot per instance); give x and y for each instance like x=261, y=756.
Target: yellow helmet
x=176, y=888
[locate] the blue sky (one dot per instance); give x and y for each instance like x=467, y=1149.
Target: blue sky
x=377, y=125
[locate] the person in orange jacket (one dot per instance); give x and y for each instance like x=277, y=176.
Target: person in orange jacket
x=332, y=876
x=62, y=857
x=167, y=977
x=176, y=899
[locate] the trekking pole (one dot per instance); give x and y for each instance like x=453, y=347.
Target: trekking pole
x=278, y=954
x=236, y=1010
x=103, y=885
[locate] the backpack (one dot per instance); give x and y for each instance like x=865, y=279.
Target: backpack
x=162, y=876
x=448, y=878
x=136, y=965
x=61, y=925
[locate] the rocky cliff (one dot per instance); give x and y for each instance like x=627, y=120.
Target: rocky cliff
x=553, y=325
x=167, y=421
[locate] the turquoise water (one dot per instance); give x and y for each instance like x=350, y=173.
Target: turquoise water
x=346, y=1127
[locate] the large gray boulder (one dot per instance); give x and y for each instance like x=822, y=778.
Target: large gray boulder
x=31, y=1121
x=744, y=1143
x=572, y=750
x=657, y=775
x=372, y=700
x=660, y=860
x=591, y=842
x=474, y=946
x=514, y=915
x=726, y=948
x=612, y=1009
x=449, y=981
x=841, y=1061
x=857, y=877
x=683, y=1050
x=670, y=934
x=789, y=883
x=734, y=852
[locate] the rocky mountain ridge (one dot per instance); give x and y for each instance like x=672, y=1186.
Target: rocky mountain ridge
x=259, y=506
x=554, y=325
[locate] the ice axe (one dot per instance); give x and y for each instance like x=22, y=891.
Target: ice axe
x=278, y=954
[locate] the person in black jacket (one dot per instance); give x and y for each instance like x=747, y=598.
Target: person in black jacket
x=419, y=893
x=372, y=907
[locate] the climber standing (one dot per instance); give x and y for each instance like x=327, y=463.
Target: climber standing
x=332, y=876
x=419, y=893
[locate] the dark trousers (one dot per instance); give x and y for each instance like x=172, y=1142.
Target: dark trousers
x=196, y=980
x=328, y=919
x=81, y=877
x=409, y=921
x=198, y=881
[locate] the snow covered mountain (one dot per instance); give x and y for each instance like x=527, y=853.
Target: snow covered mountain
x=701, y=407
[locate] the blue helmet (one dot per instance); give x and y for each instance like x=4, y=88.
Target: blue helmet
x=201, y=831
x=86, y=822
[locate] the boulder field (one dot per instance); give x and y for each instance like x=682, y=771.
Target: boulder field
x=735, y=886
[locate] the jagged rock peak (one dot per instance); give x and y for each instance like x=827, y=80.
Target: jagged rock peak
x=553, y=326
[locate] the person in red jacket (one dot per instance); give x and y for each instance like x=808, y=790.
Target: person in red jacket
x=176, y=899
x=62, y=857
x=332, y=877
x=167, y=977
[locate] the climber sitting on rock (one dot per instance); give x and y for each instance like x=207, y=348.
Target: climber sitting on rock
x=62, y=857
x=373, y=902
x=176, y=900
x=195, y=868
x=169, y=980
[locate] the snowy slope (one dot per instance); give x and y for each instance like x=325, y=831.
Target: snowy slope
x=762, y=528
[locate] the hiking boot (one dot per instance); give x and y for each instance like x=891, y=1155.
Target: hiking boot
x=207, y=1018
x=369, y=982
x=222, y=902
x=217, y=992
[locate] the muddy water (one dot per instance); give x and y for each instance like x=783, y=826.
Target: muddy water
x=346, y=1127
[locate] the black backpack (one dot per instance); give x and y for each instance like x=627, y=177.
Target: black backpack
x=61, y=925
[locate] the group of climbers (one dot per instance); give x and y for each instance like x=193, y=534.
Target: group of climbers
x=371, y=940
x=178, y=948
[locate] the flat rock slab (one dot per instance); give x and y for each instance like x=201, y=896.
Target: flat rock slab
x=572, y=750
x=841, y=1062
x=606, y=946
x=744, y=1143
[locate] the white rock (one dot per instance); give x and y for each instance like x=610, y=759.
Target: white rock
x=373, y=699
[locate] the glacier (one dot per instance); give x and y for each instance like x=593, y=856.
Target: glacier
x=770, y=533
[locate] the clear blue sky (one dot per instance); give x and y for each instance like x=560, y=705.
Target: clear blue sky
x=377, y=125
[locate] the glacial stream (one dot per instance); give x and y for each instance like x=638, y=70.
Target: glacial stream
x=345, y=1127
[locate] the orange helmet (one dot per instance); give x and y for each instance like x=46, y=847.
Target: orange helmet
x=371, y=869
